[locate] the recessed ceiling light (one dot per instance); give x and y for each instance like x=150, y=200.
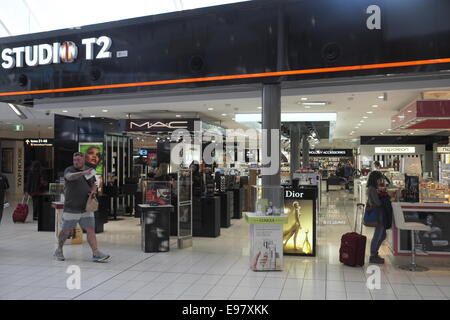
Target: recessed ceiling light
x=362, y=121
x=374, y=106
x=259, y=108
x=366, y=117
x=224, y=114
x=178, y=115
x=389, y=129
x=409, y=111
x=210, y=109
x=317, y=103
x=369, y=112
x=92, y=116
x=104, y=110
x=381, y=97
x=307, y=107
x=64, y=111
x=304, y=99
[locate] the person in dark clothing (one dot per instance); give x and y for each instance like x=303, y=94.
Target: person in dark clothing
x=4, y=185
x=374, y=182
x=36, y=185
x=197, y=181
x=377, y=166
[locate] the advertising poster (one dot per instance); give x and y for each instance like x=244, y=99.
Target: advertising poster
x=436, y=241
x=299, y=232
x=266, y=247
x=93, y=153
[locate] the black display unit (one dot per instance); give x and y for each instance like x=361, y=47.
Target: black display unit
x=46, y=217
x=226, y=208
x=155, y=228
x=238, y=202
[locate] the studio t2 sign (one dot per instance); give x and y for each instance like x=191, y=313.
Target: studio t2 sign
x=45, y=54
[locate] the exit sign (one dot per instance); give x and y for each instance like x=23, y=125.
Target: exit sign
x=18, y=127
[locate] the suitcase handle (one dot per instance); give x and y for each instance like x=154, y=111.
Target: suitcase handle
x=28, y=198
x=358, y=206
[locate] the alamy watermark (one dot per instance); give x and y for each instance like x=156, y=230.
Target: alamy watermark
x=268, y=141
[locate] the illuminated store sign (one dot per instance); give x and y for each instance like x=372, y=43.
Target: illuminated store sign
x=443, y=149
x=39, y=142
x=395, y=150
x=158, y=125
x=45, y=54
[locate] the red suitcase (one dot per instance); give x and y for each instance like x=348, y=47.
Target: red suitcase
x=353, y=245
x=21, y=212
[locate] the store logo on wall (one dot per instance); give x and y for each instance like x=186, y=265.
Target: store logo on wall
x=395, y=149
x=293, y=194
x=162, y=125
x=45, y=54
x=443, y=149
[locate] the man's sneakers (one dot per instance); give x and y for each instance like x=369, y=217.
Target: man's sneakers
x=59, y=255
x=100, y=257
x=376, y=259
x=97, y=257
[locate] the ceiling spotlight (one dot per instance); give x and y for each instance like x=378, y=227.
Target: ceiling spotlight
x=369, y=112
x=389, y=129
x=374, y=106
x=92, y=116
x=178, y=116
x=104, y=110
x=210, y=109
x=307, y=107
x=303, y=99
x=409, y=111
x=259, y=108
x=224, y=114
x=366, y=117
x=362, y=121
x=65, y=111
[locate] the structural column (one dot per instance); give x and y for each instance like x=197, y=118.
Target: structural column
x=305, y=151
x=295, y=148
x=271, y=121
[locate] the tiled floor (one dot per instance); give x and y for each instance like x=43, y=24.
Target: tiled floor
x=214, y=268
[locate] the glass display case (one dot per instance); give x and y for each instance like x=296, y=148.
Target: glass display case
x=433, y=192
x=157, y=193
x=269, y=201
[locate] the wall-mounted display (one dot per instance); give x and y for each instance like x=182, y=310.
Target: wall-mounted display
x=93, y=154
x=299, y=234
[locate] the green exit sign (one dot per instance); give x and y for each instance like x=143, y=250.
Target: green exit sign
x=18, y=127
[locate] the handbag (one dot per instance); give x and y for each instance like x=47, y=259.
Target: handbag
x=370, y=217
x=92, y=203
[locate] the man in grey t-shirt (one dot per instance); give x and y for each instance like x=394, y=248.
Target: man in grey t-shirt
x=76, y=193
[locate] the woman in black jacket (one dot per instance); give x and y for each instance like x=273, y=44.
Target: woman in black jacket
x=36, y=184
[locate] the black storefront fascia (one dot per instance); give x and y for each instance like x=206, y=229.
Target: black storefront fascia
x=237, y=44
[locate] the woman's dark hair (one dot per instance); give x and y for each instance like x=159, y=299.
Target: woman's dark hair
x=35, y=166
x=373, y=179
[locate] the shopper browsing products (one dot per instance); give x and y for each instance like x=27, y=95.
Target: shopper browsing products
x=76, y=192
x=375, y=182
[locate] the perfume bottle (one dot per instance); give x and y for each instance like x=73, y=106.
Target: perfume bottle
x=270, y=209
x=306, y=248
